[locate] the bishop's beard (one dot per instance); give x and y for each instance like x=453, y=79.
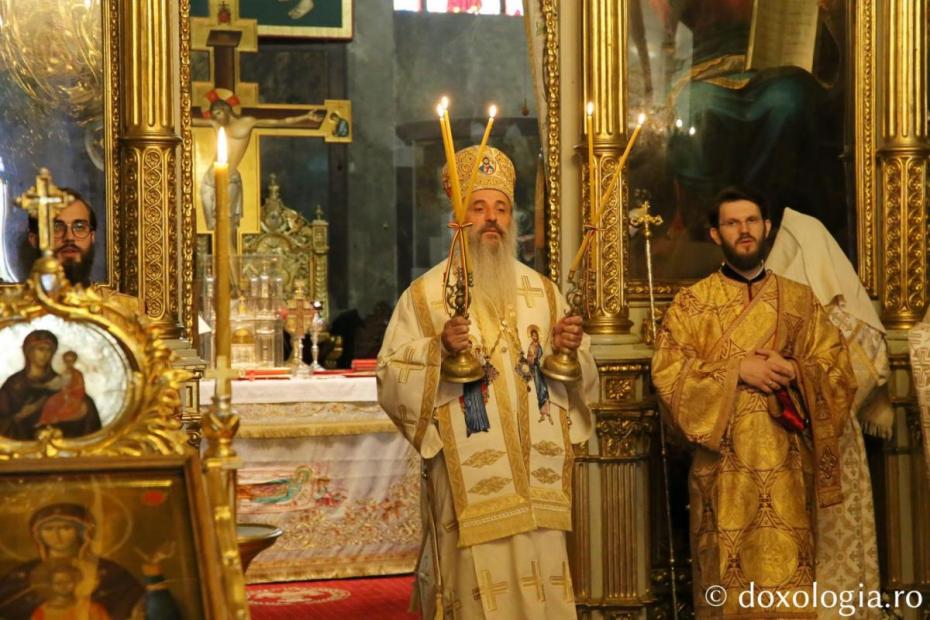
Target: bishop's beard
x=494, y=267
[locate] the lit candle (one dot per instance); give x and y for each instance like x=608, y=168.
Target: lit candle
x=492, y=112
x=449, y=147
x=221, y=242
x=592, y=163
x=473, y=177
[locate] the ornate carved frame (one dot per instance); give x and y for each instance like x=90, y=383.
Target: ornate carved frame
x=864, y=56
x=551, y=82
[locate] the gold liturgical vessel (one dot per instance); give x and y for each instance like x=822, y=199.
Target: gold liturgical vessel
x=462, y=367
x=563, y=365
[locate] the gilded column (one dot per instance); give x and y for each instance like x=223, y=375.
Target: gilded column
x=148, y=242
x=610, y=545
x=604, y=35
x=902, y=158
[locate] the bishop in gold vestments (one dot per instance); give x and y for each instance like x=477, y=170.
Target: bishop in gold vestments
x=755, y=485
x=497, y=501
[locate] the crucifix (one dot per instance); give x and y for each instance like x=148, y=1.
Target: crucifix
x=227, y=102
x=43, y=201
x=300, y=313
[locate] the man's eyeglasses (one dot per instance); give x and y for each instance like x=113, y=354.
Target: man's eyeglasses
x=79, y=228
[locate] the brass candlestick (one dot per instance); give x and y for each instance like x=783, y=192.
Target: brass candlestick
x=563, y=365
x=462, y=367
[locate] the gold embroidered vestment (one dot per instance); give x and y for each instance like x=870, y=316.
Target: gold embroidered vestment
x=753, y=484
x=497, y=502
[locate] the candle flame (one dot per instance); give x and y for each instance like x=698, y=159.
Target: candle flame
x=492, y=111
x=679, y=123
x=221, y=146
x=590, y=108
x=440, y=110
x=641, y=119
x=692, y=131
x=444, y=102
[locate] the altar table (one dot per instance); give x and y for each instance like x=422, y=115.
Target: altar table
x=323, y=462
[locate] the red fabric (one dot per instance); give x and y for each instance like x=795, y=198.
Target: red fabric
x=384, y=598
x=790, y=418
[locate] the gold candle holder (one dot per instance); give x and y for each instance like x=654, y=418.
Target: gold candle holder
x=461, y=367
x=563, y=365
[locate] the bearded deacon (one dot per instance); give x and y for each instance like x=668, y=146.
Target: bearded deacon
x=755, y=376
x=497, y=453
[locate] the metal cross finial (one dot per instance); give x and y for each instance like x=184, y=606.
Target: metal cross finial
x=644, y=219
x=647, y=222
x=223, y=374
x=43, y=201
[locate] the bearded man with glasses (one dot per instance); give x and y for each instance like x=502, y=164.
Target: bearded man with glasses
x=73, y=236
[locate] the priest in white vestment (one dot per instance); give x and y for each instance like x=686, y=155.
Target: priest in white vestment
x=847, y=547
x=498, y=452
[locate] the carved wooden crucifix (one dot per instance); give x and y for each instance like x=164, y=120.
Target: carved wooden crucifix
x=227, y=101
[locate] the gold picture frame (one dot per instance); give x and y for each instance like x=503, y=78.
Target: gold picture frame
x=48, y=402
x=66, y=88
x=299, y=19
x=861, y=100
x=106, y=534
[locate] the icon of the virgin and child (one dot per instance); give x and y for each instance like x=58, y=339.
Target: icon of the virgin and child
x=68, y=581
x=39, y=396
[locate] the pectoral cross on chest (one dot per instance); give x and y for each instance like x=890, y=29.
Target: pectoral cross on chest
x=528, y=292
x=43, y=201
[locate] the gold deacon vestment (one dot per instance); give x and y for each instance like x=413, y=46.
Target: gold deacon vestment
x=754, y=486
x=496, y=503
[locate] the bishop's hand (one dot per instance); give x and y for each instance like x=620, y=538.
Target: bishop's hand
x=567, y=333
x=455, y=334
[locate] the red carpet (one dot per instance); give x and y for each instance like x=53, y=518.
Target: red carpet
x=384, y=598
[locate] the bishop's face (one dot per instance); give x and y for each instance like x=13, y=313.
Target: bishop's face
x=489, y=213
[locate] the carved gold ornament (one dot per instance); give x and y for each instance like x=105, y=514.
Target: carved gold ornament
x=136, y=394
